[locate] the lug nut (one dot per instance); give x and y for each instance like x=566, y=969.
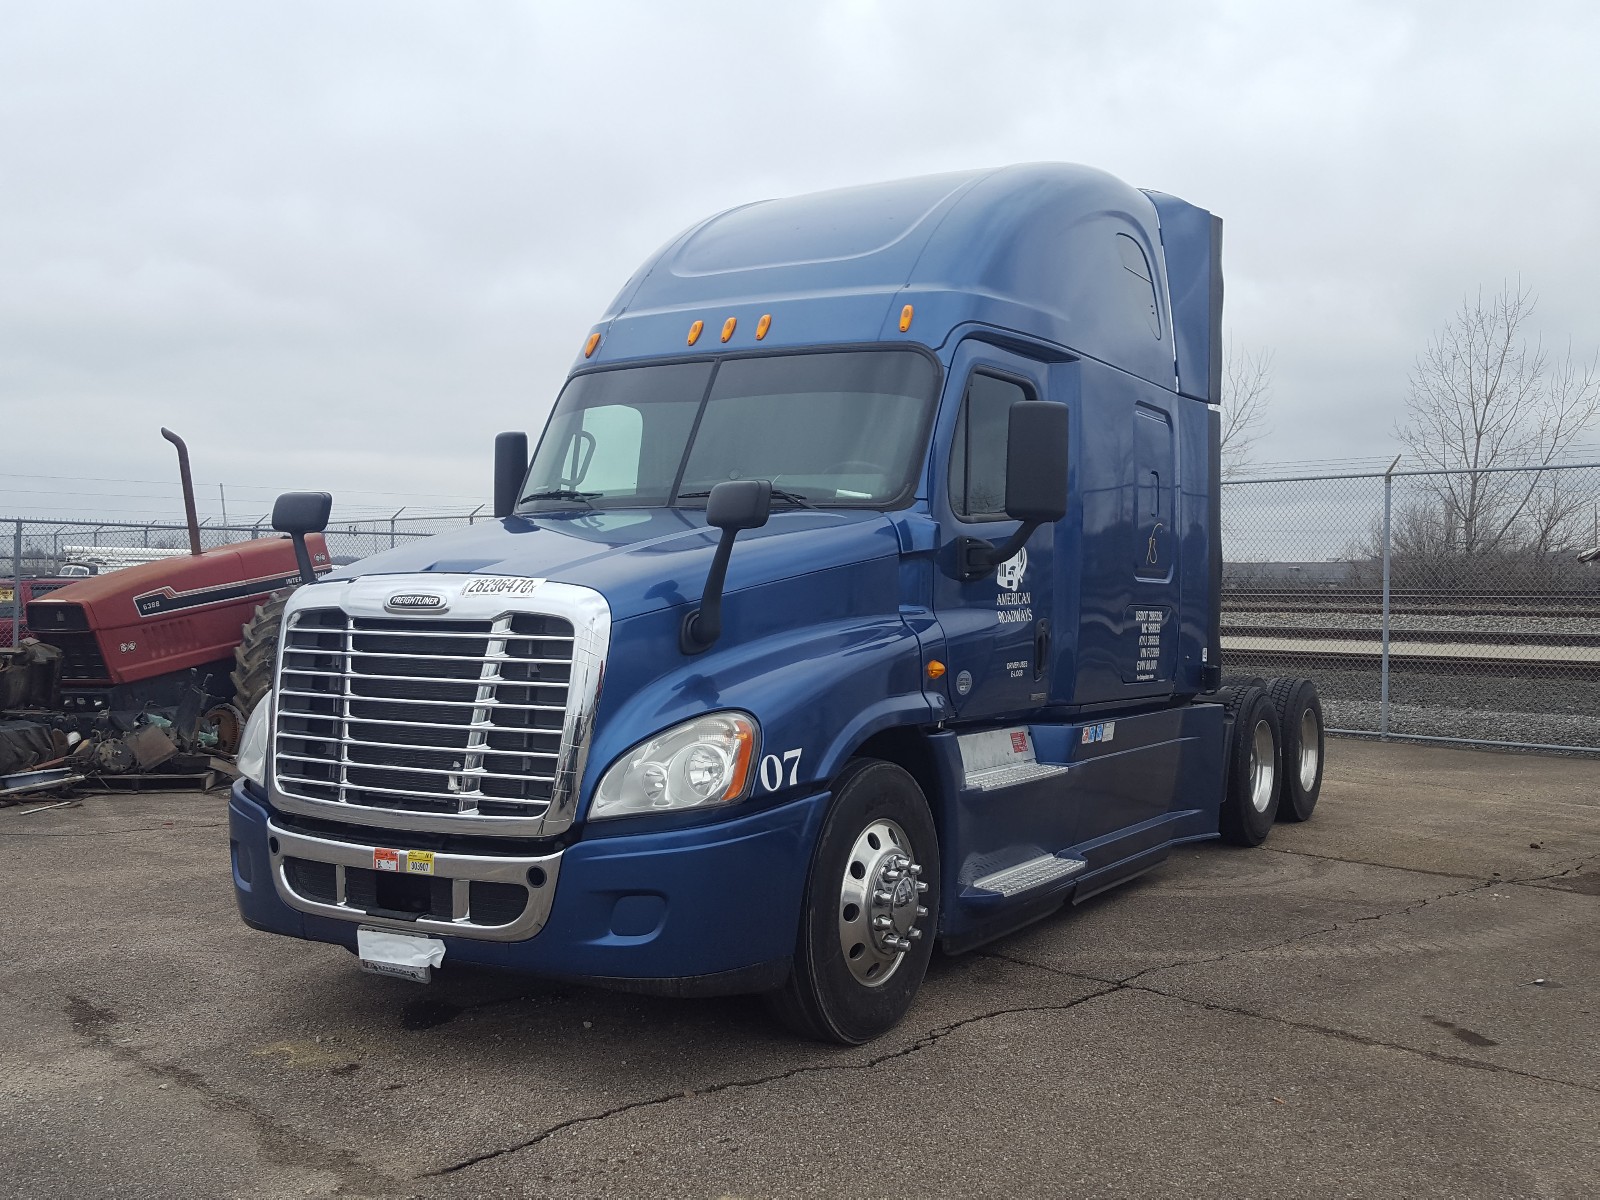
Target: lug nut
x=921, y=887
x=914, y=933
x=883, y=897
x=893, y=874
x=921, y=911
x=914, y=870
x=882, y=922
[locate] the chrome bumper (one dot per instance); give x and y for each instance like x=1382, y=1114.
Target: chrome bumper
x=460, y=870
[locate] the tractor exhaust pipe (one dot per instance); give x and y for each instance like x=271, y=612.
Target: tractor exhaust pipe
x=188, y=489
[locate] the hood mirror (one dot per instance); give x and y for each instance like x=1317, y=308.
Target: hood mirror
x=300, y=513
x=731, y=506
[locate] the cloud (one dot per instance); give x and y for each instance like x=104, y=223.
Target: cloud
x=342, y=245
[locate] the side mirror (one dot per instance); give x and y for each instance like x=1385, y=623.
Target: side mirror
x=510, y=469
x=1036, y=482
x=739, y=504
x=732, y=506
x=1036, y=462
x=300, y=513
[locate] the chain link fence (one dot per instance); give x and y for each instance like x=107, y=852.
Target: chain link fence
x=1435, y=605
x=45, y=554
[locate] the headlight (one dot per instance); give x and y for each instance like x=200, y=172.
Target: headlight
x=701, y=762
x=252, y=759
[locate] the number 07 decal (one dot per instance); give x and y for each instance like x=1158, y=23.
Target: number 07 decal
x=772, y=769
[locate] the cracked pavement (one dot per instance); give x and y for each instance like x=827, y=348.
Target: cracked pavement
x=1398, y=997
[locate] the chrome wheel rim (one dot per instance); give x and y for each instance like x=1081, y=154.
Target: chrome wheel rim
x=880, y=903
x=1263, y=767
x=1310, y=754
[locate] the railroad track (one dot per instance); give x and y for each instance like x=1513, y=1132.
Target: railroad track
x=1348, y=600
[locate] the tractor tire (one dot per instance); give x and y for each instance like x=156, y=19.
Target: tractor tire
x=256, y=656
x=1250, y=799
x=1300, y=716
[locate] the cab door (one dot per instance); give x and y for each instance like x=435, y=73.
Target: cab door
x=997, y=626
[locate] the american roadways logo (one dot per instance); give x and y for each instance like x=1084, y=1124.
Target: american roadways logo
x=1009, y=575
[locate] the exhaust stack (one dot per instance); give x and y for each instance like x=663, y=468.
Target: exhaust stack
x=188, y=489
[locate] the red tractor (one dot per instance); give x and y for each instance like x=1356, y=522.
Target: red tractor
x=154, y=635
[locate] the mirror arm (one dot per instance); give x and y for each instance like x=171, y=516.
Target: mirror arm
x=976, y=557
x=302, y=558
x=703, y=626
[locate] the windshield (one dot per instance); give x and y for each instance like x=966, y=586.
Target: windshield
x=829, y=430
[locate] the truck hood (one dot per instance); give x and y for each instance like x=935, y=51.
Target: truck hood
x=641, y=559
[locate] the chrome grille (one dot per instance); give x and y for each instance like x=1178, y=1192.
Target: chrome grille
x=463, y=717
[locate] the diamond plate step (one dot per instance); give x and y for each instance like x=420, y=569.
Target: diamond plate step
x=1025, y=876
x=1009, y=776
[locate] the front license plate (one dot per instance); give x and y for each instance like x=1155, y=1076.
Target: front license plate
x=403, y=955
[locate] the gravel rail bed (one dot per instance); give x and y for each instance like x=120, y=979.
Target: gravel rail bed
x=1550, y=712
x=1519, y=626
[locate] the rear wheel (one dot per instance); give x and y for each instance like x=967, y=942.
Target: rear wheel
x=1300, y=716
x=1250, y=802
x=256, y=655
x=871, y=910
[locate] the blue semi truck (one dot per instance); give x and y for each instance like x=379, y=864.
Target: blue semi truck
x=861, y=594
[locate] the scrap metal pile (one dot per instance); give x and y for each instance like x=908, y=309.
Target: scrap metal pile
x=45, y=749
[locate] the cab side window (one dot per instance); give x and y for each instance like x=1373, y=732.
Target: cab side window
x=978, y=452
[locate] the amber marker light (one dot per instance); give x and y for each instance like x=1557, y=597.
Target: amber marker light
x=935, y=668
x=589, y=346
x=763, y=325
x=727, y=327
x=905, y=318
x=744, y=746
x=695, y=331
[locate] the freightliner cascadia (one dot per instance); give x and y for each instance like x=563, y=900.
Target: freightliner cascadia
x=861, y=594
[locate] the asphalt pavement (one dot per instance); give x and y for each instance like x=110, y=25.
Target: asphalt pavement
x=1397, y=998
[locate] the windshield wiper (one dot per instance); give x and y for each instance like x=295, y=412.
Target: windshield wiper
x=561, y=494
x=794, y=498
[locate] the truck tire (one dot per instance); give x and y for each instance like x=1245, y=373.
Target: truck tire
x=871, y=910
x=1250, y=800
x=1300, y=717
x=256, y=655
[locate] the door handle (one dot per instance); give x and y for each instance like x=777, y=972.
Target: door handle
x=1041, y=646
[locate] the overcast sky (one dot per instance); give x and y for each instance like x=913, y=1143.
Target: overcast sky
x=340, y=245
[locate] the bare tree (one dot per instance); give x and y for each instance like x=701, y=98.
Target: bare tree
x=1246, y=385
x=1483, y=396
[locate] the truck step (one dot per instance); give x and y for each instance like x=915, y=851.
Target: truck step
x=989, y=779
x=1028, y=875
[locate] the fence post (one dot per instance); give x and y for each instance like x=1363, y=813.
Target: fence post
x=16, y=585
x=392, y=520
x=1383, y=657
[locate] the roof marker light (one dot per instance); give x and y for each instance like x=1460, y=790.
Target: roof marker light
x=763, y=325
x=727, y=327
x=589, y=346
x=905, y=318
x=694, y=331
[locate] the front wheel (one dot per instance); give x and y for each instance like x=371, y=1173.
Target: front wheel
x=871, y=910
